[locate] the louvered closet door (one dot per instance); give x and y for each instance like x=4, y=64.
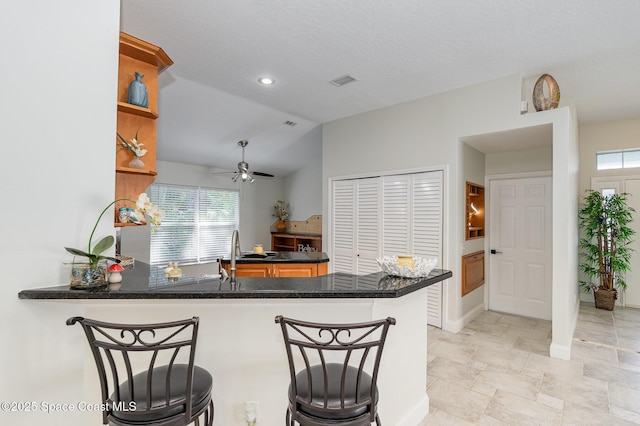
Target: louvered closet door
x=343, y=235
x=396, y=215
x=368, y=225
x=426, y=225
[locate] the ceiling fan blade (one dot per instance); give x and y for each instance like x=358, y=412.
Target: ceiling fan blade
x=262, y=174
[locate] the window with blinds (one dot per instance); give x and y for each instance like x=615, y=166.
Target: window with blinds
x=197, y=226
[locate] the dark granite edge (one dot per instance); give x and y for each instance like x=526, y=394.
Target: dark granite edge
x=64, y=293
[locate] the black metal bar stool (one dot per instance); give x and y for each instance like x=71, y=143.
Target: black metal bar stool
x=327, y=363
x=166, y=391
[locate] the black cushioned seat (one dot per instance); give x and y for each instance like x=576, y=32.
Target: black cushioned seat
x=200, y=396
x=334, y=408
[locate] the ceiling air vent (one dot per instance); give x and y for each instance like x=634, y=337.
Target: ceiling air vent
x=341, y=81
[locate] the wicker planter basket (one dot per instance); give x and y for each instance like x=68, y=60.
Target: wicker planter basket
x=605, y=298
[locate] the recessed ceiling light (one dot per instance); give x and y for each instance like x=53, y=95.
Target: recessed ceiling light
x=266, y=81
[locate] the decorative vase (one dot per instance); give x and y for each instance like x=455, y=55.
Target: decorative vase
x=137, y=94
x=540, y=101
x=84, y=277
x=136, y=163
x=281, y=226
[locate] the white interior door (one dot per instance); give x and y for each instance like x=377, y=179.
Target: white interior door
x=632, y=295
x=520, y=243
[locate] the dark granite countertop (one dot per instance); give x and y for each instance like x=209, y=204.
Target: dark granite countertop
x=282, y=257
x=144, y=282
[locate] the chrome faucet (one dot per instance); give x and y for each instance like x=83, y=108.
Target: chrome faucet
x=235, y=252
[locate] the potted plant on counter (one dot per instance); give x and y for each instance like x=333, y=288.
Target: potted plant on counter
x=604, y=246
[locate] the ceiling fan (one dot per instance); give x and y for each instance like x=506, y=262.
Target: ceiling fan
x=243, y=168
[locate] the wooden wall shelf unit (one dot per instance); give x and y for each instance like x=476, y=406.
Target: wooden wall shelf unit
x=472, y=271
x=474, y=217
x=149, y=60
x=296, y=242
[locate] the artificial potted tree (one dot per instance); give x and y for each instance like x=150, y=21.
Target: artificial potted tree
x=604, y=246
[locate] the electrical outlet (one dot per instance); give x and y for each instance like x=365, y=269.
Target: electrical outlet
x=251, y=411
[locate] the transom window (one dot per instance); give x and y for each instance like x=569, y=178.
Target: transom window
x=197, y=226
x=622, y=159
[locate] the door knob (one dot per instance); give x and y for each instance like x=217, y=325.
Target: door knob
x=493, y=251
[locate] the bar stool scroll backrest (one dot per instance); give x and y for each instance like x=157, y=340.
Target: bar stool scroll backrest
x=147, y=372
x=334, y=371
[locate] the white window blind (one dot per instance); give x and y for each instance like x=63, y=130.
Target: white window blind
x=197, y=226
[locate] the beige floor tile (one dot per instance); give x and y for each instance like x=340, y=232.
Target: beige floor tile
x=516, y=410
x=442, y=418
x=488, y=317
x=501, y=358
x=537, y=365
x=492, y=379
x=624, y=397
x=590, y=395
x=490, y=340
x=540, y=347
x=488, y=328
x=457, y=401
x=587, y=352
x=461, y=374
x=497, y=371
x=574, y=415
x=629, y=360
x=618, y=376
x=454, y=351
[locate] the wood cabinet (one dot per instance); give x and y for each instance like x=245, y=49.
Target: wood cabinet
x=137, y=55
x=472, y=271
x=291, y=270
x=296, y=242
x=474, y=227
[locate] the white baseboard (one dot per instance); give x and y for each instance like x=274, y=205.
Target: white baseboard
x=560, y=351
x=458, y=325
x=415, y=414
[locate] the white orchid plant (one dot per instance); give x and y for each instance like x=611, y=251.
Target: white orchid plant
x=144, y=208
x=135, y=146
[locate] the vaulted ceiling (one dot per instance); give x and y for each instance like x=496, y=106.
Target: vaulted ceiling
x=397, y=50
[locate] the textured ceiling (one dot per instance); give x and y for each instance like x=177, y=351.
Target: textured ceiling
x=398, y=50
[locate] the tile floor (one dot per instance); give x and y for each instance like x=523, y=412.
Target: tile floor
x=497, y=371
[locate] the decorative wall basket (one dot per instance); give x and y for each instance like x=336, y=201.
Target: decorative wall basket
x=546, y=85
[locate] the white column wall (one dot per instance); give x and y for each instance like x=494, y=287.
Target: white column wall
x=58, y=121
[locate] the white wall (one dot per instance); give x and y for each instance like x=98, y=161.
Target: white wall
x=427, y=132
x=474, y=171
x=58, y=127
x=303, y=188
x=530, y=160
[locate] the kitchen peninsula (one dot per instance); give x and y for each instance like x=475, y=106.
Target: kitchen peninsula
x=242, y=347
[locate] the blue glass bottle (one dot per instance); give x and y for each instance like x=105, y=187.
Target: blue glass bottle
x=137, y=94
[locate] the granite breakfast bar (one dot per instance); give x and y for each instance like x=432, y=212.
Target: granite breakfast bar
x=242, y=347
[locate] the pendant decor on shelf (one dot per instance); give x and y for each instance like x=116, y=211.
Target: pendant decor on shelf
x=545, y=98
x=137, y=94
